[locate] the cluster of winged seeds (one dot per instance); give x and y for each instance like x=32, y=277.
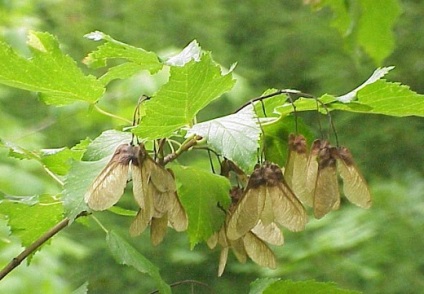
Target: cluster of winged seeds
x=275, y=197
x=262, y=203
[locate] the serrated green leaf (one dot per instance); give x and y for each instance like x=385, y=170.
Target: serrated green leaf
x=377, y=74
x=139, y=59
x=234, y=136
x=77, y=182
x=305, y=287
x=125, y=254
x=386, y=98
x=29, y=222
x=259, y=285
x=18, y=152
x=105, y=144
x=50, y=72
x=202, y=194
x=189, y=89
x=59, y=160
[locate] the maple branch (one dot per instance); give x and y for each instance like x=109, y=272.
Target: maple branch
x=184, y=147
x=35, y=245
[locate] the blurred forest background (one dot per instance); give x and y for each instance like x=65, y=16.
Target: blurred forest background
x=280, y=44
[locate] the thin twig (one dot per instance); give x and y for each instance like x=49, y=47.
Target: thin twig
x=35, y=245
x=184, y=147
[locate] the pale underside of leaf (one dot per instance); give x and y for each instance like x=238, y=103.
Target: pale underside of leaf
x=108, y=187
x=235, y=136
x=326, y=195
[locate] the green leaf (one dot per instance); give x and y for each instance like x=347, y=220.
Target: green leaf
x=276, y=137
x=259, y=285
x=49, y=71
x=386, y=98
x=377, y=74
x=77, y=182
x=28, y=220
x=203, y=196
x=375, y=27
x=83, y=173
x=367, y=24
x=125, y=254
x=59, y=160
x=305, y=287
x=235, y=136
x=189, y=89
x=137, y=59
x=105, y=144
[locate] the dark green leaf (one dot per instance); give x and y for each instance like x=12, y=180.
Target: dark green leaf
x=204, y=197
x=125, y=254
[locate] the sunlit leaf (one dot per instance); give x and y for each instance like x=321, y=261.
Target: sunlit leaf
x=105, y=144
x=49, y=72
x=125, y=254
x=139, y=59
x=377, y=74
x=59, y=160
x=189, y=89
x=235, y=136
x=29, y=221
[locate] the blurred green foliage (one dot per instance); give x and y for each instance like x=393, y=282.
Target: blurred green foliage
x=280, y=44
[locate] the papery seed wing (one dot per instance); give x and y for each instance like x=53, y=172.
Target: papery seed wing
x=160, y=177
x=177, y=215
x=212, y=241
x=139, y=224
x=327, y=195
x=246, y=213
x=223, y=256
x=158, y=229
x=355, y=187
x=109, y=185
x=267, y=215
x=295, y=172
x=288, y=210
x=238, y=249
x=143, y=193
x=258, y=251
x=270, y=233
x=312, y=173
